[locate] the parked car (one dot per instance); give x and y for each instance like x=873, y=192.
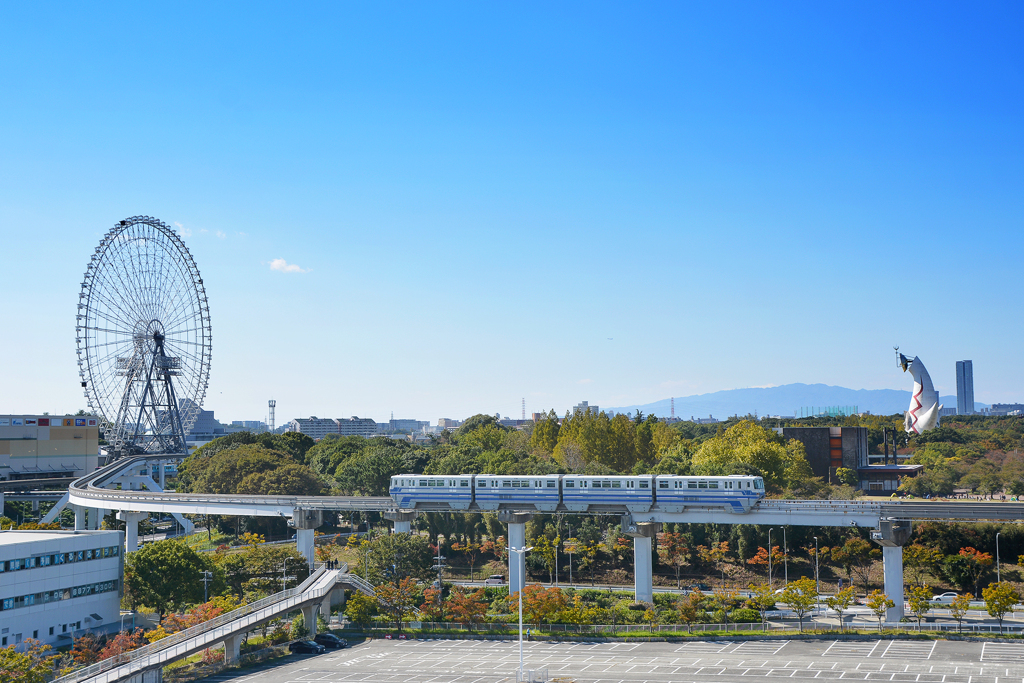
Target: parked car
x=702, y=587
x=307, y=647
x=495, y=580
x=330, y=641
x=945, y=597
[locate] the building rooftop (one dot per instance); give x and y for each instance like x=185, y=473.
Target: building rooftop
x=34, y=536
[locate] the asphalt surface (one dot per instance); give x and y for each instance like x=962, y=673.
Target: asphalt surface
x=468, y=661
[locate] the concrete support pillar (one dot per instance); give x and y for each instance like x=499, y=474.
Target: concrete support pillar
x=304, y=542
x=160, y=473
x=516, y=539
x=309, y=613
x=94, y=518
x=306, y=522
x=35, y=506
x=403, y=521
x=338, y=599
x=892, y=535
x=131, y=528
x=892, y=564
x=232, y=649
x=79, y=517
x=642, y=570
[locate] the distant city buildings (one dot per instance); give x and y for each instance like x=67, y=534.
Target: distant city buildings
x=710, y=419
x=317, y=428
x=583, y=406
x=1003, y=409
x=394, y=426
x=206, y=428
x=44, y=446
x=964, y=387
x=448, y=423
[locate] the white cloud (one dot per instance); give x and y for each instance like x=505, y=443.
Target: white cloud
x=280, y=265
x=221, y=234
x=182, y=230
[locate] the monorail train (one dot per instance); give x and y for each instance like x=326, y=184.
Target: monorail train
x=579, y=493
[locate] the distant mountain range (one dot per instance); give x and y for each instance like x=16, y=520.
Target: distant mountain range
x=784, y=400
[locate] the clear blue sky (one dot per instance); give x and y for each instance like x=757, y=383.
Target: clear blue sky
x=612, y=202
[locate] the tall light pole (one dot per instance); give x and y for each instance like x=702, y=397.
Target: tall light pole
x=785, y=556
x=817, y=584
x=997, y=558
x=770, y=557
x=521, y=551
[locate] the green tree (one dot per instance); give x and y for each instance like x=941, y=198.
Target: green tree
x=857, y=556
x=35, y=665
x=958, y=609
x=920, y=600
x=673, y=547
x=801, y=596
x=845, y=475
x=247, y=468
x=748, y=443
x=360, y=609
x=762, y=599
x=919, y=559
x=840, y=602
x=999, y=599
x=167, y=573
x=879, y=603
x=545, y=434
x=256, y=570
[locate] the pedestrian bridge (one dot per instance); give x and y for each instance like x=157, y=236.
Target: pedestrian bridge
x=145, y=664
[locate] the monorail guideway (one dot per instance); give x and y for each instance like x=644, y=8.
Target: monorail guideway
x=890, y=520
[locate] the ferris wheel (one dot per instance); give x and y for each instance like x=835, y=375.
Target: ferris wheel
x=144, y=338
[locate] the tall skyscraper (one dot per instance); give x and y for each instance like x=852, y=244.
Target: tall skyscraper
x=964, y=387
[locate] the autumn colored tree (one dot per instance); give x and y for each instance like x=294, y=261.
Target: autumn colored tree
x=579, y=612
x=539, y=604
x=692, y=607
x=123, y=643
x=470, y=550
x=977, y=564
x=674, y=548
x=760, y=558
x=360, y=608
x=586, y=557
x=397, y=600
x=432, y=607
x=86, y=650
x=466, y=607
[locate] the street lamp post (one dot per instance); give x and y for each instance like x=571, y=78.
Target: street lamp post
x=521, y=551
x=207, y=578
x=785, y=556
x=770, y=557
x=997, y=558
x=817, y=583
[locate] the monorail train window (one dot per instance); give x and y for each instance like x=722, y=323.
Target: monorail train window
x=758, y=484
x=480, y=483
x=644, y=485
x=712, y=484
x=423, y=482
x=606, y=484
x=464, y=482
x=583, y=484
x=616, y=485
x=702, y=484
x=551, y=484
x=569, y=484
x=691, y=484
x=662, y=484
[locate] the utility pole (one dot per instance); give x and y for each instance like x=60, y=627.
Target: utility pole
x=207, y=578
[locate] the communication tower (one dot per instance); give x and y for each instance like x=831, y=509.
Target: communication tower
x=524, y=409
x=273, y=404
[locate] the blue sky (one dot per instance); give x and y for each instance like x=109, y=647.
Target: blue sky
x=606, y=202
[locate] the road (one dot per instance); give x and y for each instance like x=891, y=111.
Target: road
x=453, y=661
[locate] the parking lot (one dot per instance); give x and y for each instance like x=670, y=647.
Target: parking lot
x=469, y=661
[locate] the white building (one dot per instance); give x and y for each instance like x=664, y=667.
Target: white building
x=57, y=584
x=584, y=407
x=317, y=428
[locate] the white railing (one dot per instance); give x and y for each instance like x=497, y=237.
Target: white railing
x=206, y=634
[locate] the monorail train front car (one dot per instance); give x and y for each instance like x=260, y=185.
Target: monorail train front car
x=409, y=490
